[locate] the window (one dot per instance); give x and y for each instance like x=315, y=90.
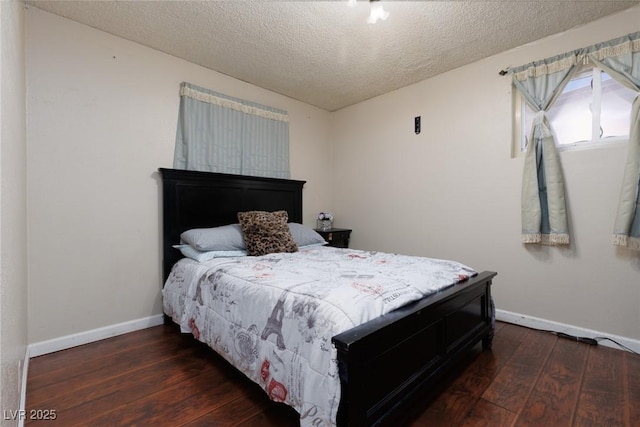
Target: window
x=592, y=111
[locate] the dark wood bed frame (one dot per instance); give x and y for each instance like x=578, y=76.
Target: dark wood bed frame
x=387, y=364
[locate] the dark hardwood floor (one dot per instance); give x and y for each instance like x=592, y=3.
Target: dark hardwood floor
x=159, y=377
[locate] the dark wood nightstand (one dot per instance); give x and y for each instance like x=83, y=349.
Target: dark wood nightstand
x=338, y=237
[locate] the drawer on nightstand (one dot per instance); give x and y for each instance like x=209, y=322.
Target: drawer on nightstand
x=338, y=237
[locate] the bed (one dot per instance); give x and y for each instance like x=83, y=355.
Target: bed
x=385, y=365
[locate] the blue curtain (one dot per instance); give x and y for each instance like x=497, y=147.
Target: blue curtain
x=620, y=58
x=543, y=205
x=218, y=133
x=544, y=214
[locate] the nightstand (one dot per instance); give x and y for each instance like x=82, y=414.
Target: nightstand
x=338, y=237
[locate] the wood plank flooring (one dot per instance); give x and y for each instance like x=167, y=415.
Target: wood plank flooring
x=159, y=377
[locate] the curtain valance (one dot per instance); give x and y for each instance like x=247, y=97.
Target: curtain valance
x=547, y=66
x=612, y=48
x=209, y=97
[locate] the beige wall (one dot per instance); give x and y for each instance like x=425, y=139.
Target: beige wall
x=454, y=191
x=102, y=118
x=13, y=224
x=102, y=114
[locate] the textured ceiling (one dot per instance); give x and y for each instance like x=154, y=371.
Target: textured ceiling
x=325, y=53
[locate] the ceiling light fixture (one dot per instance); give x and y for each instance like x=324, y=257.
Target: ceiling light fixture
x=352, y=3
x=377, y=12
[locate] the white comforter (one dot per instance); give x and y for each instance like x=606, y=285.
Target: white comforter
x=273, y=316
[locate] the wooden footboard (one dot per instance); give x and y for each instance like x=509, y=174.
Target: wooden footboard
x=387, y=363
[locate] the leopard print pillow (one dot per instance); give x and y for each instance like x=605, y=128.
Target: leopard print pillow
x=266, y=232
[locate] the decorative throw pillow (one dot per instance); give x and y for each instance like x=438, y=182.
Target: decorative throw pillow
x=266, y=232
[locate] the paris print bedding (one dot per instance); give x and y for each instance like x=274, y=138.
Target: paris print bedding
x=273, y=316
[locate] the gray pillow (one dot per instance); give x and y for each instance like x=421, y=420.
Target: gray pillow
x=199, y=256
x=305, y=236
x=223, y=238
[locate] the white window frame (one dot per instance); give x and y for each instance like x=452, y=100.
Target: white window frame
x=520, y=134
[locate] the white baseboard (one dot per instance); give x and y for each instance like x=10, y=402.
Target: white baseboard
x=63, y=343
x=548, y=325
x=23, y=386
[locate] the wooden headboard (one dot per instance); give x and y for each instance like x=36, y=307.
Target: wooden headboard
x=204, y=199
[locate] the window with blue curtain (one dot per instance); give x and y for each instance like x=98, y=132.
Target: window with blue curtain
x=540, y=83
x=219, y=133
